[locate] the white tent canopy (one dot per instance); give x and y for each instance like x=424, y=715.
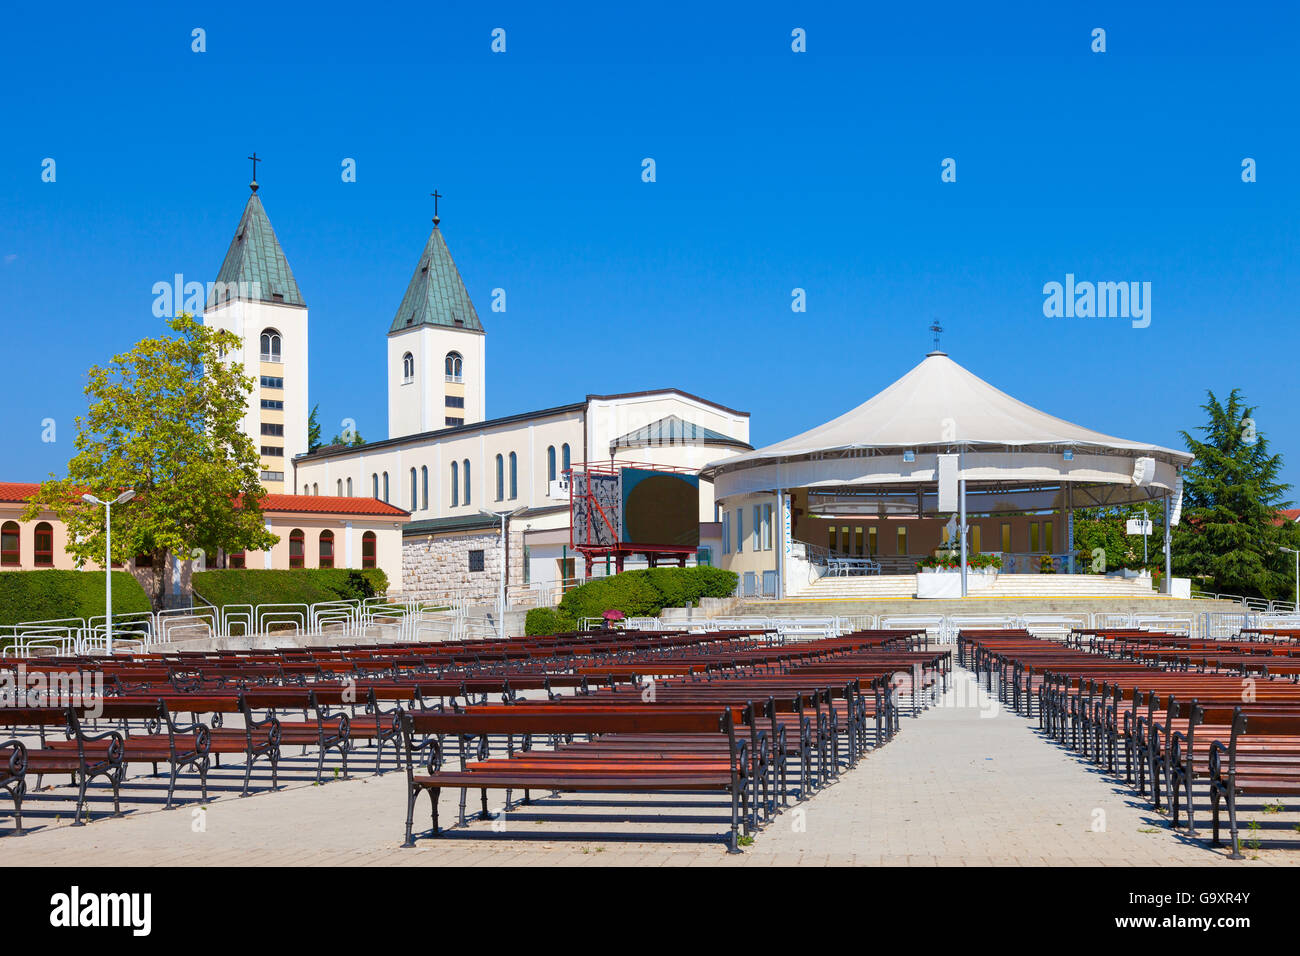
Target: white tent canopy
x=1011, y=451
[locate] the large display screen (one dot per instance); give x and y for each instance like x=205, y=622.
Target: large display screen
x=660, y=508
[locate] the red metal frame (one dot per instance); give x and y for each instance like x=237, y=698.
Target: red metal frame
x=620, y=552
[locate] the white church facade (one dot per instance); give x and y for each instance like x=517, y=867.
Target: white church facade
x=444, y=461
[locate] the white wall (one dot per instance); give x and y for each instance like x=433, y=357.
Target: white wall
x=247, y=320
x=420, y=405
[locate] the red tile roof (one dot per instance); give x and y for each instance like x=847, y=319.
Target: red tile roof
x=20, y=491
x=330, y=504
x=1292, y=513
x=17, y=490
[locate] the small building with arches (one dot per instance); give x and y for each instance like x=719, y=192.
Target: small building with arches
x=315, y=531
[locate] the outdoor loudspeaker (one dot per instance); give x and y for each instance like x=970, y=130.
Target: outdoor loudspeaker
x=1144, y=469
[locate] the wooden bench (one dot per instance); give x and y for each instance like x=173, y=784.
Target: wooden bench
x=1261, y=758
x=668, y=774
x=88, y=756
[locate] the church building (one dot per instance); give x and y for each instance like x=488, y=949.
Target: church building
x=454, y=469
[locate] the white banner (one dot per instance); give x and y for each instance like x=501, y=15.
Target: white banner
x=948, y=482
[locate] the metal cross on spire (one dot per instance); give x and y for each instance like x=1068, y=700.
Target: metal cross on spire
x=436, y=196
x=937, y=329
x=255, y=160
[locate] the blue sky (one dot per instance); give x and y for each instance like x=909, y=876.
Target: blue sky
x=775, y=170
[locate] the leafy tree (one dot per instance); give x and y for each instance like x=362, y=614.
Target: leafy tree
x=1230, y=532
x=313, y=429
x=164, y=419
x=1106, y=528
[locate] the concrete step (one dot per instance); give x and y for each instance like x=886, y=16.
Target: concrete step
x=1003, y=585
x=1001, y=606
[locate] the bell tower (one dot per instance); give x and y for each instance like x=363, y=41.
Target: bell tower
x=436, y=348
x=256, y=297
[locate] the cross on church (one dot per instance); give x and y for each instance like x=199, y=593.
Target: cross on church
x=255, y=160
x=436, y=196
x=937, y=329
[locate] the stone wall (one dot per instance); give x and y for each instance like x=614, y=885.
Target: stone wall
x=437, y=566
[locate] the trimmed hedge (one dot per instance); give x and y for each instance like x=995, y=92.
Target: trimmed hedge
x=635, y=593
x=293, y=586
x=547, y=620
x=46, y=595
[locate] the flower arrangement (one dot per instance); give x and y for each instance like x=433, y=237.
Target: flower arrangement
x=948, y=561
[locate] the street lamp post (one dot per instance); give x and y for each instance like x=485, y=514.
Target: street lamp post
x=1296, y=595
x=108, y=559
x=503, y=516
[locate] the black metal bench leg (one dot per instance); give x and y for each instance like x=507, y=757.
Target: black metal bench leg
x=116, y=780
x=733, y=843
x=81, y=804
x=1232, y=825
x=412, y=794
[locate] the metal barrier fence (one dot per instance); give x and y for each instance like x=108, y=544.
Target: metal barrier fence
x=377, y=619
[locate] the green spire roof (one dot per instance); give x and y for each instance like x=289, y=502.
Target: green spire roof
x=255, y=268
x=436, y=294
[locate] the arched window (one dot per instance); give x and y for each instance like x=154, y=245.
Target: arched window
x=340, y=490
x=514, y=476
x=349, y=487
x=501, y=477
x=327, y=549
x=455, y=484
x=455, y=366
x=466, y=463
x=44, y=545
x=386, y=486
x=9, y=538
x=270, y=345
x=424, y=487
x=566, y=458
x=414, y=500
x=408, y=368
x=550, y=463
x=374, y=485
x=368, y=550
x=315, y=488
x=296, y=542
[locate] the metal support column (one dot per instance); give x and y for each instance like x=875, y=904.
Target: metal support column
x=1169, y=552
x=961, y=490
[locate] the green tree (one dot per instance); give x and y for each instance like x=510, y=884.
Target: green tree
x=1105, y=528
x=1230, y=532
x=354, y=441
x=164, y=419
x=313, y=429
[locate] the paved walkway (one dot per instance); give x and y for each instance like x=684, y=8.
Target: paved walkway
x=961, y=785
